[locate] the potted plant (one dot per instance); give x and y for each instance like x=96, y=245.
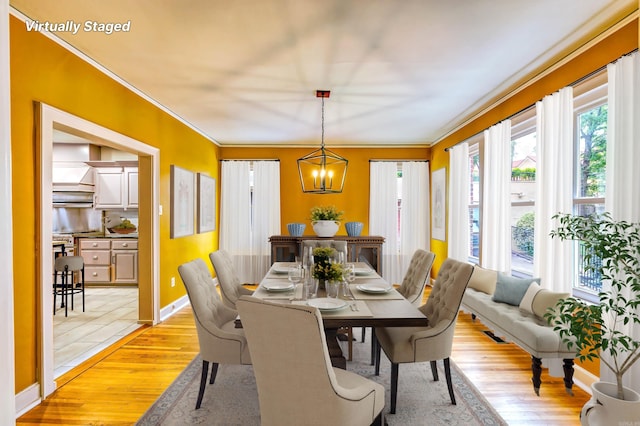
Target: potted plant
x=321, y=261
x=326, y=272
x=612, y=250
x=325, y=220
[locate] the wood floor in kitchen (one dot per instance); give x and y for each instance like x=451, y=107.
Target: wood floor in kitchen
x=110, y=314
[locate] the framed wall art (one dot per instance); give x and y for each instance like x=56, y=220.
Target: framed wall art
x=182, y=202
x=206, y=207
x=438, y=200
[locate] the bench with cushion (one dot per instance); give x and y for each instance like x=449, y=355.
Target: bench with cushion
x=513, y=309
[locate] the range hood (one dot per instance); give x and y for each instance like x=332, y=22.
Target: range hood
x=73, y=185
x=75, y=199
x=72, y=177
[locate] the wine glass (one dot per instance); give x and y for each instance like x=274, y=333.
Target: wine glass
x=349, y=272
x=349, y=276
x=296, y=274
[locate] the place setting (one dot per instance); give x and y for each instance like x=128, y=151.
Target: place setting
x=374, y=290
x=291, y=289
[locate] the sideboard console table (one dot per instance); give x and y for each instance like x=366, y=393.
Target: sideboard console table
x=285, y=248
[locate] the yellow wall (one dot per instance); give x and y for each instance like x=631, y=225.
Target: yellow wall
x=43, y=71
x=354, y=200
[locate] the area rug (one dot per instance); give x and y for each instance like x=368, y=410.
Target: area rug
x=233, y=399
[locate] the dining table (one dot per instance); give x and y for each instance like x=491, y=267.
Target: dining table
x=369, y=302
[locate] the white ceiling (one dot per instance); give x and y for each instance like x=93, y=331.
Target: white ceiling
x=401, y=72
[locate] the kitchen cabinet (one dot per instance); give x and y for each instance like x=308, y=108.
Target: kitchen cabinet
x=110, y=260
x=124, y=257
x=367, y=249
x=116, y=187
x=97, y=260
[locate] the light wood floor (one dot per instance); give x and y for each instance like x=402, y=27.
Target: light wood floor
x=118, y=385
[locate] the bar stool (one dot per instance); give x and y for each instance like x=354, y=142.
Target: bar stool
x=71, y=269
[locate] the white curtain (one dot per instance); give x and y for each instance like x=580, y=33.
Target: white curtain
x=459, y=244
x=383, y=214
x=552, y=260
x=266, y=214
x=622, y=196
x=246, y=225
x=496, y=204
x=404, y=234
x=414, y=214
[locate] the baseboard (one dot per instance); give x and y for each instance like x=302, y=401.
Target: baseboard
x=27, y=399
x=583, y=378
x=173, y=307
x=178, y=304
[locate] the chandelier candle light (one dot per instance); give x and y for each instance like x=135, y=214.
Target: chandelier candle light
x=318, y=168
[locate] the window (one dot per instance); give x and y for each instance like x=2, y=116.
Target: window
x=523, y=192
x=591, y=112
x=474, y=203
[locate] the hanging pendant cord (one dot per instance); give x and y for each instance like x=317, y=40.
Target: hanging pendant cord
x=322, y=127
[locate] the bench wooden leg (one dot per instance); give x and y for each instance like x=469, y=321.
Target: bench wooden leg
x=568, y=375
x=536, y=368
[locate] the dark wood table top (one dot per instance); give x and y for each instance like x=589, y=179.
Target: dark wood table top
x=385, y=313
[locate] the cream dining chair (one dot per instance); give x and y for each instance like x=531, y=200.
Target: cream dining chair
x=296, y=383
x=413, y=284
x=417, y=276
x=432, y=343
x=220, y=341
x=340, y=246
x=230, y=286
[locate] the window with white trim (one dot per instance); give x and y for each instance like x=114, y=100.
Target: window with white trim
x=590, y=110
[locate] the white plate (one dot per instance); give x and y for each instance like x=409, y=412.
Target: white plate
x=278, y=286
x=374, y=288
x=327, y=304
x=280, y=269
x=363, y=271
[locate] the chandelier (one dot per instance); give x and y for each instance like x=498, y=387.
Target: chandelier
x=322, y=171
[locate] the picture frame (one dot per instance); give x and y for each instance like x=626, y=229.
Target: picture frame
x=206, y=206
x=182, y=202
x=438, y=203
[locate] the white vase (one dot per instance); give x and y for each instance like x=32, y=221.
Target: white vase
x=605, y=409
x=325, y=228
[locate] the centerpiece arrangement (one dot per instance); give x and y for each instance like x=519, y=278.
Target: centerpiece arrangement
x=325, y=220
x=323, y=268
x=605, y=328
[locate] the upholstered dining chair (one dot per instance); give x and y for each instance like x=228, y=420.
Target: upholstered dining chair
x=340, y=246
x=230, y=286
x=417, y=276
x=413, y=283
x=432, y=343
x=296, y=383
x=220, y=341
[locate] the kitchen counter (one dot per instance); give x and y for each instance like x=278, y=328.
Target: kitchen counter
x=131, y=235
x=101, y=235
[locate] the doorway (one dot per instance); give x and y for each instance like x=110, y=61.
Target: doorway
x=50, y=118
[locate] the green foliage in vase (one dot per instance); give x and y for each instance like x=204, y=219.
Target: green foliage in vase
x=327, y=271
x=324, y=251
x=613, y=250
x=325, y=213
